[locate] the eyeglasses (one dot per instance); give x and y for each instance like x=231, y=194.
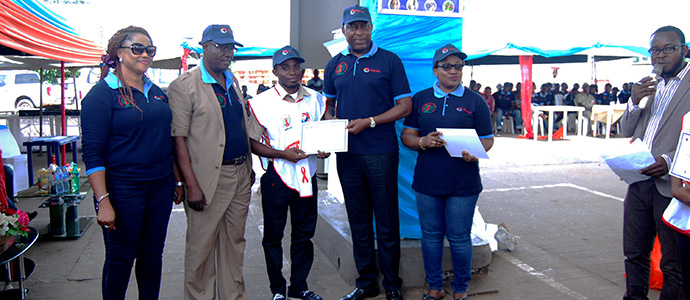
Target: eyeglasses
x=225, y=48
x=666, y=50
x=138, y=49
x=447, y=67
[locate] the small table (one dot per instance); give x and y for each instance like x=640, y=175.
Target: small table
x=52, y=143
x=13, y=258
x=560, y=108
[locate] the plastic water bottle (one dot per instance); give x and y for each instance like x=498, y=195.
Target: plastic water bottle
x=66, y=187
x=59, y=187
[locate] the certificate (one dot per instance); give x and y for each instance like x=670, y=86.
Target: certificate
x=681, y=163
x=324, y=136
x=627, y=162
x=462, y=139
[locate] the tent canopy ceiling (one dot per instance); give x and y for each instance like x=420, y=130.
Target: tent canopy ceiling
x=510, y=53
x=25, y=31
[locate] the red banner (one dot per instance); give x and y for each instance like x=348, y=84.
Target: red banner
x=526, y=94
x=184, y=59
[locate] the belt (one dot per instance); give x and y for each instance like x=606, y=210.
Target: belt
x=235, y=161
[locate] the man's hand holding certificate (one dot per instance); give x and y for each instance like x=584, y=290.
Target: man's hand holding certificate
x=325, y=136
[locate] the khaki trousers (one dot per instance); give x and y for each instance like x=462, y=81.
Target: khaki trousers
x=215, y=242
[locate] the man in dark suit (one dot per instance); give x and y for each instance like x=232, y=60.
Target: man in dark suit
x=658, y=125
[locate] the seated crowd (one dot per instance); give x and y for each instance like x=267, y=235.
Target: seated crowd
x=506, y=101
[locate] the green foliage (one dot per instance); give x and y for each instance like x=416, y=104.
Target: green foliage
x=53, y=75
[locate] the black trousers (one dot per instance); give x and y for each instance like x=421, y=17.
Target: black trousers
x=276, y=199
x=642, y=211
x=370, y=187
x=684, y=248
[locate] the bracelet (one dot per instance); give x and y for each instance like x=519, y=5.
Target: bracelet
x=420, y=144
x=101, y=198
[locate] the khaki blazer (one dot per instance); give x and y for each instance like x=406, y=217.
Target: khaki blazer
x=197, y=117
x=634, y=124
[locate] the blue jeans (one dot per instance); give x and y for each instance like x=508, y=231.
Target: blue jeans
x=517, y=118
x=370, y=187
x=450, y=217
x=142, y=211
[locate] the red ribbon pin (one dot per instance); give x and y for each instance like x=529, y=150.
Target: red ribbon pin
x=305, y=179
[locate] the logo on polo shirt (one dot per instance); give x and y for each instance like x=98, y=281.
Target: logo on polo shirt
x=428, y=108
x=367, y=70
x=221, y=100
x=462, y=109
x=125, y=101
x=158, y=97
x=341, y=68
x=287, y=122
x=305, y=117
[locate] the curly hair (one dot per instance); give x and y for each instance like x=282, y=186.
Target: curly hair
x=114, y=45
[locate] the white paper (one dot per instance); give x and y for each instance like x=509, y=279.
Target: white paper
x=681, y=163
x=628, y=162
x=324, y=136
x=462, y=139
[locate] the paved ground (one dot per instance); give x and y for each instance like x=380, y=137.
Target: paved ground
x=559, y=197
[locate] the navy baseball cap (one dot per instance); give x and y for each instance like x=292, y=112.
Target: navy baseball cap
x=285, y=53
x=446, y=51
x=221, y=34
x=356, y=13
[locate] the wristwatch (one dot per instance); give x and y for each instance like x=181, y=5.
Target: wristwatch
x=372, y=123
x=179, y=183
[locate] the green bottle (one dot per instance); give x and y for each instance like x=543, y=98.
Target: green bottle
x=75, y=178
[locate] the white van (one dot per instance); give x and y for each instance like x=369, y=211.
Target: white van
x=22, y=90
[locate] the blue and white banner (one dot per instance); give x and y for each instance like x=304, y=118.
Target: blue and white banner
x=429, y=8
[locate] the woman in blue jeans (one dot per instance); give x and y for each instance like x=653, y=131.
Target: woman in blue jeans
x=447, y=187
x=127, y=150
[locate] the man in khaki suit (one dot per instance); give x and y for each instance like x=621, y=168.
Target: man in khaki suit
x=657, y=124
x=209, y=125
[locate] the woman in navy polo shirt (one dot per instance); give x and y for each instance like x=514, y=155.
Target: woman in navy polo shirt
x=447, y=188
x=127, y=150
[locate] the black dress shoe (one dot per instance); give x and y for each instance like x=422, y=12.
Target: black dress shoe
x=394, y=295
x=359, y=294
x=32, y=215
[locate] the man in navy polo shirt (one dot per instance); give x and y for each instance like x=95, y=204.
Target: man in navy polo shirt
x=209, y=125
x=506, y=105
x=624, y=94
x=368, y=86
x=606, y=98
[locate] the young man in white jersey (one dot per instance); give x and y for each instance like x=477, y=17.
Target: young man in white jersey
x=289, y=181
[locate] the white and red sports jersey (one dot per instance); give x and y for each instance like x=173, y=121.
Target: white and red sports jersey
x=282, y=120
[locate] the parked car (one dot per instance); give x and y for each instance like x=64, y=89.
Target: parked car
x=22, y=90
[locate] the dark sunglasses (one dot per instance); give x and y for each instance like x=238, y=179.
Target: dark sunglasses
x=447, y=67
x=138, y=49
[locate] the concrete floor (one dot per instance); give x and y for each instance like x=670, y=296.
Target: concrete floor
x=559, y=197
